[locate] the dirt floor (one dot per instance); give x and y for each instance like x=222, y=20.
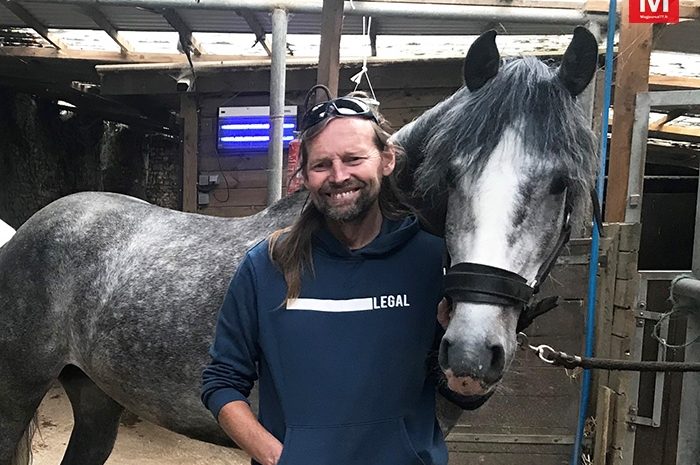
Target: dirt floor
x=140, y=444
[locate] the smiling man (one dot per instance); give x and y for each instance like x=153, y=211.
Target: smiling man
x=335, y=315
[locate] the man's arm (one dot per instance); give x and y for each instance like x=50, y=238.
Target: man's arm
x=229, y=377
x=238, y=421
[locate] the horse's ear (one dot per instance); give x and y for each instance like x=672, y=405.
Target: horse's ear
x=579, y=62
x=482, y=61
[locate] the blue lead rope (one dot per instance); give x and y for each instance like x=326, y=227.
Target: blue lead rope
x=593, y=267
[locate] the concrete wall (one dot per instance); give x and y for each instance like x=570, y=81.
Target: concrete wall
x=45, y=155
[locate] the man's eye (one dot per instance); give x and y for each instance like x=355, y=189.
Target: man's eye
x=354, y=160
x=320, y=166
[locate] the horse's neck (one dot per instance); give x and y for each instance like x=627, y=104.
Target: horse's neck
x=430, y=209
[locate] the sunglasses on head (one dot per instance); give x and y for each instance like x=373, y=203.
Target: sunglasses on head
x=343, y=106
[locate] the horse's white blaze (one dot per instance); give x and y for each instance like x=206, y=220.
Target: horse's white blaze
x=6, y=232
x=493, y=199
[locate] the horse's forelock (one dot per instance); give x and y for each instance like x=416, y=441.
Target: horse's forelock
x=526, y=96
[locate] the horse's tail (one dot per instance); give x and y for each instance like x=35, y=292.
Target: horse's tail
x=23, y=452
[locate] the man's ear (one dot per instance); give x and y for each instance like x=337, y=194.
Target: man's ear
x=388, y=159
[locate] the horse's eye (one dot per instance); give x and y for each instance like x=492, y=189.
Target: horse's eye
x=559, y=183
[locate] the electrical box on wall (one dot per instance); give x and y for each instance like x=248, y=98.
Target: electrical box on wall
x=247, y=129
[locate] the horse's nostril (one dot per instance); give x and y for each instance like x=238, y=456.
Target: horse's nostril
x=498, y=363
x=442, y=355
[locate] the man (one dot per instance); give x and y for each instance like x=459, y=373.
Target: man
x=336, y=315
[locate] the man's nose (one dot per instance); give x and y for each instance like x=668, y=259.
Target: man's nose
x=339, y=172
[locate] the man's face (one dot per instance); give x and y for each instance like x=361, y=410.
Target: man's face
x=344, y=169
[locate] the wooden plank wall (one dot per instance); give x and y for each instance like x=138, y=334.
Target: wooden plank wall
x=614, y=440
x=242, y=190
x=532, y=419
x=243, y=187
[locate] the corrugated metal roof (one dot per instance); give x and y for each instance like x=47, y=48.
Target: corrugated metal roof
x=221, y=21
x=135, y=19
x=62, y=15
x=8, y=19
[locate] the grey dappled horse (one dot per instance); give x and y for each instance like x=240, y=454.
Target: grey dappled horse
x=117, y=299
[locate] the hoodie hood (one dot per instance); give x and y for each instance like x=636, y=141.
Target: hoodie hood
x=392, y=235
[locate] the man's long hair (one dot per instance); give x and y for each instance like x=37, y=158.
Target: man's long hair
x=290, y=248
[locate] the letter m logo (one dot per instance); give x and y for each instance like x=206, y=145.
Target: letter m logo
x=654, y=11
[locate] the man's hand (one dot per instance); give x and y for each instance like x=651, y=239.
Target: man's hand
x=444, y=313
x=237, y=420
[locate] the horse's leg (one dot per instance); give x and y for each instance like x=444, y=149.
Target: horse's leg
x=96, y=418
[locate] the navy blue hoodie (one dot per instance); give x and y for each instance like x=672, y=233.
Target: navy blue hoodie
x=343, y=377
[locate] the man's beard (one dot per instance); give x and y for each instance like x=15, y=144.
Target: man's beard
x=367, y=196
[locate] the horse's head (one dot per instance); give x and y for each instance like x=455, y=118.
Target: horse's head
x=506, y=159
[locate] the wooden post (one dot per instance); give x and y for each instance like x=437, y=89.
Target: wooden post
x=602, y=430
x=329, y=53
x=624, y=384
x=190, y=140
x=632, y=76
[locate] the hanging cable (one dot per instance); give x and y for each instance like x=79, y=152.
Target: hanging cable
x=357, y=78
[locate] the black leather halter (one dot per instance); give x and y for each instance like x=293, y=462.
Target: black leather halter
x=475, y=282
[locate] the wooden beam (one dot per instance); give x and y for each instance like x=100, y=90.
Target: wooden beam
x=687, y=131
x=176, y=22
x=95, y=14
x=102, y=57
x=30, y=20
x=667, y=118
x=674, y=82
x=190, y=148
x=329, y=51
x=632, y=76
x=256, y=27
x=662, y=130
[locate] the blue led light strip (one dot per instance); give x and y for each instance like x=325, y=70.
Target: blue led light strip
x=250, y=133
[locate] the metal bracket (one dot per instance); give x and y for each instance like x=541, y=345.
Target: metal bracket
x=642, y=316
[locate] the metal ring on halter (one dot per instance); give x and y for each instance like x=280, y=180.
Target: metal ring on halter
x=540, y=349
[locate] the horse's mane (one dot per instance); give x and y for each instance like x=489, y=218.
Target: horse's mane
x=525, y=95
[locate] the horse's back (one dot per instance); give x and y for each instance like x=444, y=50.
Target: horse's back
x=128, y=292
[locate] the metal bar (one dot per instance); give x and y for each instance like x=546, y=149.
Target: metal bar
x=638, y=155
x=696, y=241
x=670, y=98
x=643, y=315
x=660, y=378
x=95, y=14
x=561, y=16
x=661, y=275
x=30, y=20
x=176, y=22
x=256, y=27
x=277, y=90
x=511, y=438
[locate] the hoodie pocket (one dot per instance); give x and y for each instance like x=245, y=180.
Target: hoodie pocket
x=384, y=442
